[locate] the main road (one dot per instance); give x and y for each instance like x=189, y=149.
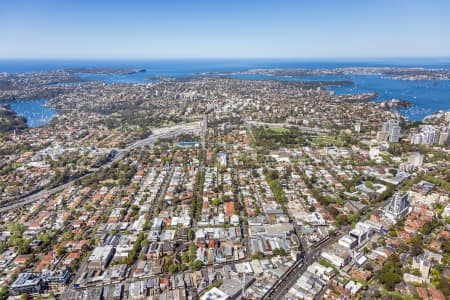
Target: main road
x=280, y=289
x=158, y=133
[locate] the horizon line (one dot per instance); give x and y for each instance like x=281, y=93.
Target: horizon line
x=229, y=58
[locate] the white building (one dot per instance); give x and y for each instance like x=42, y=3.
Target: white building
x=398, y=207
x=446, y=212
x=416, y=159
x=215, y=294
x=374, y=153
x=392, y=128
x=348, y=241
x=100, y=257
x=337, y=255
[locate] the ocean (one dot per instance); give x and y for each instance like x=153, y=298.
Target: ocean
x=427, y=96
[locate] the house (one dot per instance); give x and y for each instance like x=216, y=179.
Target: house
x=229, y=208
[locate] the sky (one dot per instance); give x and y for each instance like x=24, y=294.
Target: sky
x=84, y=29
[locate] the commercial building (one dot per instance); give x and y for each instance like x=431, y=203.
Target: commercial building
x=337, y=255
x=398, y=207
x=28, y=283
x=101, y=257
x=348, y=241
x=56, y=278
x=215, y=294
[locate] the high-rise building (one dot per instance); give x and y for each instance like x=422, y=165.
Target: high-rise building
x=398, y=207
x=444, y=138
x=416, y=159
x=392, y=128
x=417, y=139
x=429, y=136
x=385, y=126
x=394, y=133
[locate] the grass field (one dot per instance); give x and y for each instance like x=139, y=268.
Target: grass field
x=327, y=140
x=278, y=130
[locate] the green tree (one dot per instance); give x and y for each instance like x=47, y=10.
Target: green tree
x=3, y=292
x=389, y=280
x=196, y=265
x=258, y=255
x=60, y=252
x=279, y=251
x=173, y=268
x=190, y=234
x=216, y=202
x=390, y=273
x=24, y=296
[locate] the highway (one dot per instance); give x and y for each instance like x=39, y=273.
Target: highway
x=159, y=133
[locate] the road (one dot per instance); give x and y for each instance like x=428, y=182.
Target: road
x=159, y=133
x=279, y=290
x=204, y=130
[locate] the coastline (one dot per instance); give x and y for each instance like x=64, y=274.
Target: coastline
x=427, y=97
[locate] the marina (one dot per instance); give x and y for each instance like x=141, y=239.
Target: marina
x=34, y=110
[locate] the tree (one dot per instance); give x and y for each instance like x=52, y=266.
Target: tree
x=342, y=220
x=257, y=210
x=258, y=255
x=185, y=258
x=135, y=208
x=279, y=251
x=332, y=210
x=216, y=202
x=390, y=273
x=60, y=252
x=190, y=234
x=173, y=268
x=3, y=247
x=444, y=286
x=196, y=265
x=393, y=232
x=389, y=280
x=182, y=267
x=3, y=292
x=416, y=245
x=24, y=296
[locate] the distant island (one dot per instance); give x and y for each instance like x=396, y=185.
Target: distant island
x=393, y=72
x=106, y=71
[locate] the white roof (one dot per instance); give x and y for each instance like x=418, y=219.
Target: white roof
x=214, y=294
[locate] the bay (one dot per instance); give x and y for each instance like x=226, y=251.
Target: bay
x=34, y=110
x=427, y=96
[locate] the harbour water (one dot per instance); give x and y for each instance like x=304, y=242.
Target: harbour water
x=34, y=110
x=427, y=96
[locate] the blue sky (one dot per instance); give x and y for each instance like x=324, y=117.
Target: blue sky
x=224, y=29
